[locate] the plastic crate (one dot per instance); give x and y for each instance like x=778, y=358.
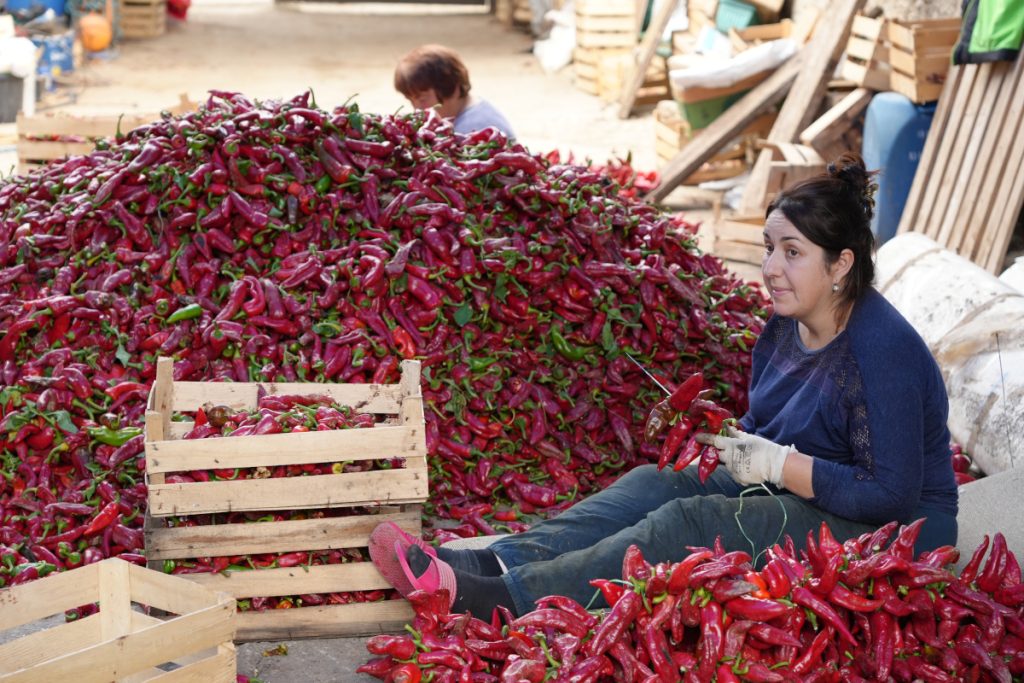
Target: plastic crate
x=734, y=14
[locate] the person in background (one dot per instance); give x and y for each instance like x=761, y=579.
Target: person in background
x=433, y=76
x=847, y=425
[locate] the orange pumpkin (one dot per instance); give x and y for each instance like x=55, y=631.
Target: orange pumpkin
x=96, y=32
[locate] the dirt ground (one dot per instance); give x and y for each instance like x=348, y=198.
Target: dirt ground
x=344, y=51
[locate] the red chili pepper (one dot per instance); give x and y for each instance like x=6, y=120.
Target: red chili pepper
x=992, y=574
x=686, y=392
x=708, y=463
x=614, y=625
x=102, y=520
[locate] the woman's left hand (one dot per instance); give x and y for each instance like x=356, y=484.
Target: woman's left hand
x=750, y=459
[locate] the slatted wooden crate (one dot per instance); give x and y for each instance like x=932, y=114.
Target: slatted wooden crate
x=867, y=55
x=919, y=56
x=607, y=24
x=119, y=642
x=587, y=64
x=740, y=239
x=615, y=70
x=376, y=496
x=142, y=18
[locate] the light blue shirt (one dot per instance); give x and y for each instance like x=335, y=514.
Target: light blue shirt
x=479, y=115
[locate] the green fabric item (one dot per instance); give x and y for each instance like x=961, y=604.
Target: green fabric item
x=992, y=31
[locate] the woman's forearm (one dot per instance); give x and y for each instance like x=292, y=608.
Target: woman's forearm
x=797, y=474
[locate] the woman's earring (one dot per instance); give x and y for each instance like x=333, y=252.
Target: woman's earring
x=835, y=287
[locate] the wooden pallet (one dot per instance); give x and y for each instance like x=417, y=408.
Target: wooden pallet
x=969, y=186
x=389, y=495
x=118, y=642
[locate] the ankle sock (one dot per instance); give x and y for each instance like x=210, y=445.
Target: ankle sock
x=478, y=595
x=476, y=561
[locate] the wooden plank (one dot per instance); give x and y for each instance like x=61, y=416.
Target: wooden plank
x=648, y=46
x=688, y=95
x=745, y=230
x=97, y=126
x=966, y=130
x=596, y=8
x=837, y=120
x=1008, y=196
x=800, y=107
x=293, y=448
x=47, y=596
x=220, y=666
x=356, y=619
x=613, y=24
x=275, y=582
x=963, y=233
x=115, y=607
x=387, y=487
x=917, y=90
x=867, y=27
x=708, y=141
x=218, y=540
x=923, y=35
x=30, y=649
x=365, y=398
x=932, y=146
x=172, y=594
x=919, y=66
x=739, y=251
x=52, y=149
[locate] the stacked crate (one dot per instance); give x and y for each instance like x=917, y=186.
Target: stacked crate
x=672, y=133
x=908, y=57
x=616, y=71
x=142, y=18
x=604, y=29
x=371, y=496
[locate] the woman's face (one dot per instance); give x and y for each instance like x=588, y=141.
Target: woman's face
x=795, y=272
x=448, y=108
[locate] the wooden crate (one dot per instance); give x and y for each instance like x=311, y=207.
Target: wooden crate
x=43, y=138
x=587, y=64
x=607, y=24
x=867, y=55
x=388, y=495
x=740, y=239
x=791, y=162
x=919, y=56
x=746, y=38
x=615, y=70
x=142, y=18
x=119, y=642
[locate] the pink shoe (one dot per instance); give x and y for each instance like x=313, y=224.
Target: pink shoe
x=383, y=542
x=439, y=575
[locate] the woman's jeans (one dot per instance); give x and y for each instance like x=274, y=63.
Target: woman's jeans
x=662, y=513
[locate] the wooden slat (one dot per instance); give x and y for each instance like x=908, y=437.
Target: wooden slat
x=919, y=66
x=866, y=27
x=115, y=608
x=920, y=36
x=221, y=666
x=219, y=540
x=293, y=448
x=170, y=593
x=801, y=103
x=30, y=649
x=909, y=221
x=837, y=120
x=364, y=398
x=103, y=126
x=688, y=95
x=605, y=39
x=614, y=24
x=960, y=152
x=916, y=90
x=52, y=149
x=356, y=619
x=290, y=493
x=962, y=234
x=1008, y=195
x=48, y=596
x=648, y=46
x=739, y=251
x=327, y=578
x=708, y=141
x=939, y=165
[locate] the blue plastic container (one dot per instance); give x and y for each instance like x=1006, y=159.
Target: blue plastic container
x=18, y=5
x=58, y=56
x=894, y=133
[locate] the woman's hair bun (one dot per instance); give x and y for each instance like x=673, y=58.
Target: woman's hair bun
x=850, y=169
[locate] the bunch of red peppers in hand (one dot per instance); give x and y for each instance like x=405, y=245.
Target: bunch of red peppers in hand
x=861, y=610
x=687, y=412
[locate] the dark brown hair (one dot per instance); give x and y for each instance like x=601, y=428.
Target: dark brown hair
x=834, y=210
x=432, y=67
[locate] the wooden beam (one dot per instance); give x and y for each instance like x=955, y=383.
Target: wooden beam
x=836, y=121
x=801, y=106
x=648, y=46
x=709, y=141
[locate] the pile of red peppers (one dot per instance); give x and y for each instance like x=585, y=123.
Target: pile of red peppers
x=862, y=610
x=276, y=241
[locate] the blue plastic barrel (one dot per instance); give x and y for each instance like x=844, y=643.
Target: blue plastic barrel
x=18, y=5
x=894, y=133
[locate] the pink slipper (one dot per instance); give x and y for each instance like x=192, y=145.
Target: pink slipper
x=439, y=575
x=383, y=540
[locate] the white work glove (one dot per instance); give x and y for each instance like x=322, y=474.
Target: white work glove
x=750, y=459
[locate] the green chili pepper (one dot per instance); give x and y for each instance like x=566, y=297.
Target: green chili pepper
x=323, y=184
x=480, y=364
x=185, y=313
x=569, y=351
x=114, y=437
